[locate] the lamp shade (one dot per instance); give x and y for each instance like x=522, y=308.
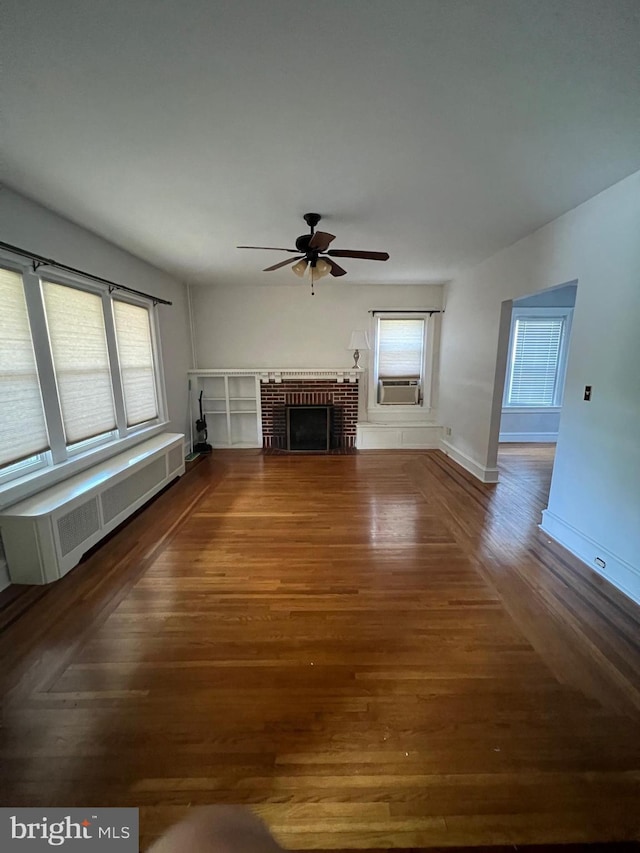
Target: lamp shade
x=322, y=268
x=300, y=268
x=359, y=340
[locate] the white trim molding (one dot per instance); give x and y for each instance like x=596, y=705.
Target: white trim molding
x=617, y=571
x=485, y=475
x=278, y=374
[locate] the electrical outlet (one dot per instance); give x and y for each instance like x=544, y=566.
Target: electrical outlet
x=587, y=393
x=447, y=430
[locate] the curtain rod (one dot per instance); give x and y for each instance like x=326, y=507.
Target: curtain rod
x=375, y=311
x=40, y=261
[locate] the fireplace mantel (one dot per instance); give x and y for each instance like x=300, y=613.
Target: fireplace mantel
x=280, y=374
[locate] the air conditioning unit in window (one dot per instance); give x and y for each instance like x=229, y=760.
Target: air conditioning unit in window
x=400, y=391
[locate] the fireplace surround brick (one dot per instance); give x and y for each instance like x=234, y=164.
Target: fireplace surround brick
x=275, y=397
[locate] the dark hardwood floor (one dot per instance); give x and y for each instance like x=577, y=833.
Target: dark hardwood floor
x=371, y=650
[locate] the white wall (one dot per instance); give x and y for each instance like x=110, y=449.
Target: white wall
x=281, y=325
x=536, y=426
x=594, y=505
x=26, y=224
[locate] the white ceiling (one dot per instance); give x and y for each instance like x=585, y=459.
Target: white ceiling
x=437, y=130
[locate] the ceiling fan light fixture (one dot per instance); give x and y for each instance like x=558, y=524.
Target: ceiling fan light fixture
x=300, y=268
x=322, y=268
x=310, y=246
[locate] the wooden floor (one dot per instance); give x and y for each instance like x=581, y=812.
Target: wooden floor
x=373, y=651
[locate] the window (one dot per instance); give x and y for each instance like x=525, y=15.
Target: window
x=135, y=351
x=77, y=370
x=400, y=348
x=81, y=362
x=537, y=358
x=23, y=433
x=401, y=358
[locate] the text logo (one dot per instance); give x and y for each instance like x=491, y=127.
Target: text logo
x=27, y=830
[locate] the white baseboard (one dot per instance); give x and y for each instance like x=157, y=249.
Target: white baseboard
x=617, y=571
x=485, y=475
x=529, y=437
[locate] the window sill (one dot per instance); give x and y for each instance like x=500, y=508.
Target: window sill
x=30, y=484
x=530, y=410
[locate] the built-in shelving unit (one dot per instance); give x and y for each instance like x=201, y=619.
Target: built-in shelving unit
x=231, y=398
x=231, y=404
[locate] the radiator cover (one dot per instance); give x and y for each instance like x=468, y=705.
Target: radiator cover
x=45, y=536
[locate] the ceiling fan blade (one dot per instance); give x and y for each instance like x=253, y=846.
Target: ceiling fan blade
x=321, y=240
x=335, y=269
x=283, y=264
x=269, y=248
x=353, y=253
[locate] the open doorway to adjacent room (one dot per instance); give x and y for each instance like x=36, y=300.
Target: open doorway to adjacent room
x=533, y=349
x=538, y=347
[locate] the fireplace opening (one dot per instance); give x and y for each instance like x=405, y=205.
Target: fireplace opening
x=309, y=427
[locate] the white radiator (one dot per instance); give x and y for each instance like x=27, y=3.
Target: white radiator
x=45, y=536
x=402, y=391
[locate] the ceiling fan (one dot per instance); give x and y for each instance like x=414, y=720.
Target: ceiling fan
x=314, y=256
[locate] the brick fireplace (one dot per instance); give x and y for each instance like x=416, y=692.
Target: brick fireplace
x=341, y=396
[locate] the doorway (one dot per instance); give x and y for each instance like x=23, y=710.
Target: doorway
x=539, y=336
x=533, y=347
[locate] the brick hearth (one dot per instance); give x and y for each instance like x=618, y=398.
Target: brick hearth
x=343, y=396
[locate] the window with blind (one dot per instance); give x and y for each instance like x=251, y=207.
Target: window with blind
x=23, y=431
x=536, y=360
x=400, y=347
x=79, y=347
x=91, y=379
x=135, y=353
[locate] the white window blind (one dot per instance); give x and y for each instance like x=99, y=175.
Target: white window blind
x=535, y=359
x=81, y=361
x=400, y=345
x=135, y=353
x=23, y=431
